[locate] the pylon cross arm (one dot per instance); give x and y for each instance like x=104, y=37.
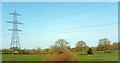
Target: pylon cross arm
x=15, y=30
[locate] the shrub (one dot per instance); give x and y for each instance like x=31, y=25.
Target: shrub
x=108, y=51
x=66, y=56
x=55, y=50
x=90, y=51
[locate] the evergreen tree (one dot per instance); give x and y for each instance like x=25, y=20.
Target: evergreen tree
x=90, y=51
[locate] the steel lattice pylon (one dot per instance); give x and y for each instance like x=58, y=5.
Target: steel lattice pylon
x=15, y=42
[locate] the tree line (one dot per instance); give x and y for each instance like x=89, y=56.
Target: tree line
x=103, y=45
x=61, y=45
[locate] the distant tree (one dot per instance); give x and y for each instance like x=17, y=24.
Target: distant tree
x=73, y=49
x=61, y=43
x=104, y=44
x=68, y=47
x=94, y=48
x=89, y=51
x=15, y=48
x=46, y=50
x=81, y=46
x=100, y=47
x=26, y=51
x=86, y=48
x=53, y=48
x=56, y=49
x=7, y=50
x=38, y=49
x=33, y=51
x=118, y=45
x=115, y=46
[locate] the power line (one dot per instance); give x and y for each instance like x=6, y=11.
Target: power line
x=98, y=17
x=84, y=27
x=82, y=31
x=59, y=10
x=81, y=20
x=69, y=29
x=75, y=13
x=44, y=8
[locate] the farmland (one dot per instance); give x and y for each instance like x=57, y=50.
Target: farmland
x=41, y=57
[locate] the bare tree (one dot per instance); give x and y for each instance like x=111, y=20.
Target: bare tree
x=61, y=43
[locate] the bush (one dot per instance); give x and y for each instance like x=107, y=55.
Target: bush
x=90, y=51
x=56, y=50
x=66, y=56
x=107, y=52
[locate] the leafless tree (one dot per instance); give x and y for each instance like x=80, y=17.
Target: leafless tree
x=61, y=43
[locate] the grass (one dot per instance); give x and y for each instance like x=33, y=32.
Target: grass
x=40, y=57
x=23, y=57
x=98, y=57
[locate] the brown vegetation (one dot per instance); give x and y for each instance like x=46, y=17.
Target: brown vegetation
x=65, y=56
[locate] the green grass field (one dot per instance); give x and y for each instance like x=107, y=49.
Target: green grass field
x=41, y=57
x=23, y=57
x=98, y=57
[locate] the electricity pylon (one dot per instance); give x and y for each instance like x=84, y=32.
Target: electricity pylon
x=15, y=42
